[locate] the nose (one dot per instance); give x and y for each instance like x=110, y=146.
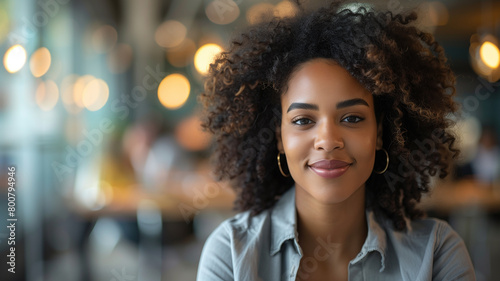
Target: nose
x=328, y=137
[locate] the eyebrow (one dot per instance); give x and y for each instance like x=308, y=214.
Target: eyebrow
x=351, y=102
x=340, y=105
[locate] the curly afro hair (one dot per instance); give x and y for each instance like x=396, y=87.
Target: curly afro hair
x=402, y=66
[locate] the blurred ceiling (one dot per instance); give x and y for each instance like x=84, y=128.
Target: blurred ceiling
x=466, y=17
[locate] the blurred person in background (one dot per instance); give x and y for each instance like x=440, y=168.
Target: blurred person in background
x=485, y=166
x=317, y=119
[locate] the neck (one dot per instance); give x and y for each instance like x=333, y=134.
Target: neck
x=341, y=225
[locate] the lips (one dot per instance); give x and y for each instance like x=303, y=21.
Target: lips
x=330, y=168
x=329, y=164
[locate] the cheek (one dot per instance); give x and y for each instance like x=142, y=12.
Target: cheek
x=365, y=148
x=297, y=146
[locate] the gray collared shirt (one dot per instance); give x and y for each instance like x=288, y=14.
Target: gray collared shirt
x=265, y=247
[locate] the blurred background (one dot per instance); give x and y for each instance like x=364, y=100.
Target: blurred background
x=98, y=115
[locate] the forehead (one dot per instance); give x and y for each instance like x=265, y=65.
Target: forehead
x=323, y=79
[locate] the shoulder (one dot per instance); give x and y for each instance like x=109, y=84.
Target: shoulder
x=429, y=232
x=438, y=232
x=230, y=241
x=242, y=224
x=430, y=227
x=435, y=241
x=236, y=227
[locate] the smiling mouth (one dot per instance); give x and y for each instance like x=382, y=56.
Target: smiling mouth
x=330, y=169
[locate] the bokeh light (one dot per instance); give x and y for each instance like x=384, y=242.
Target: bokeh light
x=15, y=58
x=222, y=12
x=67, y=97
x=190, y=135
x=79, y=87
x=485, y=56
x=170, y=33
x=173, y=91
x=205, y=56
x=260, y=12
x=95, y=94
x=95, y=197
x=285, y=9
x=490, y=54
x=40, y=62
x=468, y=131
x=47, y=95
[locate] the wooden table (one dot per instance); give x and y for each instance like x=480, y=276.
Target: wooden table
x=180, y=198
x=450, y=196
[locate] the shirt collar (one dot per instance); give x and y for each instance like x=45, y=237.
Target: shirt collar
x=284, y=227
x=283, y=221
x=376, y=240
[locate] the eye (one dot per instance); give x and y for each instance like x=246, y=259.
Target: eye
x=302, y=121
x=352, y=119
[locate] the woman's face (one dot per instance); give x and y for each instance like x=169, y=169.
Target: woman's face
x=329, y=133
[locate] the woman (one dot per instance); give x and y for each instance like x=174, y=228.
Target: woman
x=329, y=126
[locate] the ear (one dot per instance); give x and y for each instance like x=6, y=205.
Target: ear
x=279, y=141
x=380, y=133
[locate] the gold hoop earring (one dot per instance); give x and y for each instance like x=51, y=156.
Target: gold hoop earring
x=387, y=163
x=279, y=166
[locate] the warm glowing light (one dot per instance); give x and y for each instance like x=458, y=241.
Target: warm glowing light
x=190, y=135
x=205, y=56
x=94, y=197
x=67, y=90
x=170, y=34
x=469, y=130
x=222, y=12
x=285, y=9
x=104, y=38
x=120, y=58
x=40, y=62
x=260, y=12
x=490, y=54
x=47, y=95
x=14, y=58
x=485, y=56
x=173, y=91
x=95, y=94
x=183, y=54
x=78, y=89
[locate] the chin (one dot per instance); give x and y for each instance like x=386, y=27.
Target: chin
x=329, y=195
